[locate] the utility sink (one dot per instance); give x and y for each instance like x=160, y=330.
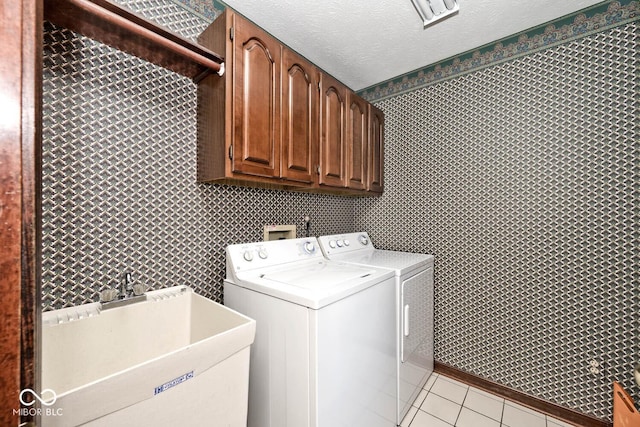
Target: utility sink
x=176, y=358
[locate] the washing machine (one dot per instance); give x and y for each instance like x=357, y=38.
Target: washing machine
x=324, y=351
x=414, y=307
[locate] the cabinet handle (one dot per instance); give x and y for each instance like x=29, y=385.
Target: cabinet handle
x=231, y=152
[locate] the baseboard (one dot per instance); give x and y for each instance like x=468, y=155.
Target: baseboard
x=540, y=405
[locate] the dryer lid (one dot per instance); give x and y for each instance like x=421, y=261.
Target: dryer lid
x=401, y=262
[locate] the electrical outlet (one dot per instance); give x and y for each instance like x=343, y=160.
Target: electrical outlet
x=594, y=367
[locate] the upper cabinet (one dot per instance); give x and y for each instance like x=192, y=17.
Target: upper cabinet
x=357, y=164
x=375, y=173
x=333, y=143
x=299, y=118
x=275, y=120
x=239, y=114
x=256, y=100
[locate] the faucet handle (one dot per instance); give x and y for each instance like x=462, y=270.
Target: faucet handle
x=108, y=295
x=138, y=290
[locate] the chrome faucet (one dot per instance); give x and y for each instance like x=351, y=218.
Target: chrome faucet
x=127, y=294
x=127, y=287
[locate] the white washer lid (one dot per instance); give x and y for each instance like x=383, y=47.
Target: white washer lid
x=315, y=284
x=321, y=275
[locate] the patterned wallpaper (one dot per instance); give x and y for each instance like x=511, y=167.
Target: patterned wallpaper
x=520, y=173
x=523, y=179
x=119, y=175
x=594, y=19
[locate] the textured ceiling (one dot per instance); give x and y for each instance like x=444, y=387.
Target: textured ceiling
x=365, y=42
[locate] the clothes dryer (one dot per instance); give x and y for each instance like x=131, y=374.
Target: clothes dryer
x=321, y=356
x=414, y=307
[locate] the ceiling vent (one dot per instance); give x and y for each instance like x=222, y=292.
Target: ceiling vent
x=432, y=11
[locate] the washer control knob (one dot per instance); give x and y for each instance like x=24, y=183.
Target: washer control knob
x=263, y=254
x=346, y=242
x=309, y=247
x=248, y=256
x=332, y=244
x=339, y=242
x=363, y=240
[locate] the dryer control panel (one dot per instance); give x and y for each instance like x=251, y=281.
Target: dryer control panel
x=345, y=243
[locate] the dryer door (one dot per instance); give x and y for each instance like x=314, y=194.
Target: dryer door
x=417, y=313
x=416, y=340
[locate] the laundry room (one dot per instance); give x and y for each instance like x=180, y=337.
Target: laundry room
x=514, y=164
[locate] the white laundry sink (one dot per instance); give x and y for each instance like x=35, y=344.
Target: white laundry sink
x=175, y=359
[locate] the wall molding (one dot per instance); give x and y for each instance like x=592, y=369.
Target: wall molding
x=594, y=19
x=540, y=405
x=206, y=9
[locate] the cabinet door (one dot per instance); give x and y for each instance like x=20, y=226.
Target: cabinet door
x=299, y=118
x=357, y=142
x=256, y=101
x=376, y=150
x=332, y=132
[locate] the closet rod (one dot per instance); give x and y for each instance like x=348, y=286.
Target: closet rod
x=129, y=32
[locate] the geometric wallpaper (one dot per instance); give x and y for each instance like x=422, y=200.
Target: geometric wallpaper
x=119, y=175
x=523, y=179
x=521, y=176
x=591, y=20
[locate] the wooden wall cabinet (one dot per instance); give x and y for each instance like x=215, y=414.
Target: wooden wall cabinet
x=238, y=114
x=357, y=165
x=274, y=120
x=333, y=105
x=299, y=119
x=375, y=172
x=255, y=72
x=351, y=141
x=255, y=125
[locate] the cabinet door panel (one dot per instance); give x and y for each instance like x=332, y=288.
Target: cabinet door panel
x=256, y=69
x=299, y=124
x=376, y=150
x=357, y=141
x=332, y=144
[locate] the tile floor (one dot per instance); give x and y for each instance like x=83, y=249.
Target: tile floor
x=445, y=402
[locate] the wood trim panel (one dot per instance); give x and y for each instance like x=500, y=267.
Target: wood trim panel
x=31, y=196
x=214, y=94
x=20, y=74
x=540, y=405
x=10, y=207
